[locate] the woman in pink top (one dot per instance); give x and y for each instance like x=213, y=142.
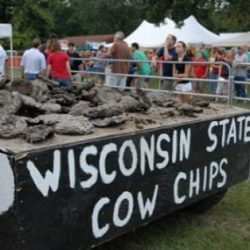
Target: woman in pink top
x=59, y=65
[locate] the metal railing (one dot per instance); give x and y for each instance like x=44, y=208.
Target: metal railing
x=109, y=61
x=228, y=97
x=240, y=86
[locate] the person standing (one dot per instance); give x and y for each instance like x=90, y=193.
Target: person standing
x=240, y=72
x=143, y=67
x=168, y=53
x=59, y=65
x=100, y=63
x=52, y=37
x=199, y=71
x=248, y=57
x=222, y=88
x=131, y=72
x=216, y=70
x=76, y=63
x=203, y=50
x=119, y=51
x=33, y=62
x=182, y=69
x=3, y=58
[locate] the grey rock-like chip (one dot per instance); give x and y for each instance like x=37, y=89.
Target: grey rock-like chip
x=129, y=104
x=162, y=99
x=106, y=110
x=38, y=133
x=12, y=126
x=188, y=109
x=41, y=108
x=74, y=126
x=50, y=108
x=80, y=108
x=66, y=124
x=10, y=103
x=109, y=121
x=106, y=95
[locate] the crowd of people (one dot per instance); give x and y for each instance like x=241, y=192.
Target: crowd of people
x=131, y=66
x=178, y=64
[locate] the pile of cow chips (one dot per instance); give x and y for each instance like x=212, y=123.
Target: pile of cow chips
x=37, y=110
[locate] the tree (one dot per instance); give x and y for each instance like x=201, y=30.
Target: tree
x=217, y=15
x=234, y=16
x=6, y=10
x=83, y=17
x=31, y=20
x=96, y=17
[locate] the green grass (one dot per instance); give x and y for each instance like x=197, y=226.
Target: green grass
x=224, y=227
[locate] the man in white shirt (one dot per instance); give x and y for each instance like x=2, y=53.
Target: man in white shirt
x=240, y=72
x=3, y=58
x=33, y=62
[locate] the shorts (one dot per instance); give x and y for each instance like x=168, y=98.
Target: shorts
x=184, y=87
x=118, y=81
x=167, y=85
x=222, y=87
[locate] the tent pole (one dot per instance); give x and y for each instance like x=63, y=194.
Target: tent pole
x=11, y=58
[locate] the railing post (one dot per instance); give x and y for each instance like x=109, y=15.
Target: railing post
x=231, y=87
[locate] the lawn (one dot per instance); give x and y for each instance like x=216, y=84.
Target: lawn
x=224, y=227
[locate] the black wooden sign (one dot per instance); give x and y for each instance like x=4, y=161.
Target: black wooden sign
x=79, y=196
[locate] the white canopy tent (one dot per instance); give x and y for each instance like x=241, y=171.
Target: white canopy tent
x=242, y=39
x=148, y=35
x=192, y=32
x=6, y=32
x=224, y=36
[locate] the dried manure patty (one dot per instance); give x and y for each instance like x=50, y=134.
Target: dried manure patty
x=40, y=109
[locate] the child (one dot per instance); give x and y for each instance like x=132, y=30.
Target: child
x=199, y=71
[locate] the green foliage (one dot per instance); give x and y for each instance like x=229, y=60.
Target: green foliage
x=97, y=17
x=234, y=16
x=217, y=15
x=38, y=18
x=6, y=10
x=31, y=20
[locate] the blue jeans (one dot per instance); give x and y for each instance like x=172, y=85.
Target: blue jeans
x=62, y=82
x=96, y=69
x=240, y=88
x=213, y=85
x=30, y=77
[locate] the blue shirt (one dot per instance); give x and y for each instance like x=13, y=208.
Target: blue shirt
x=167, y=67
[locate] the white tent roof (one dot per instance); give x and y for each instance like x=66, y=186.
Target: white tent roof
x=148, y=35
x=192, y=32
x=237, y=40
x=224, y=36
x=5, y=30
